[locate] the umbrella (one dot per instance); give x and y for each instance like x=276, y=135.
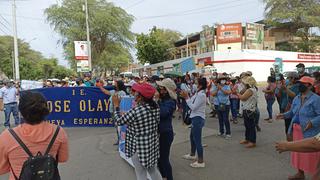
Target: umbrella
x=173, y=74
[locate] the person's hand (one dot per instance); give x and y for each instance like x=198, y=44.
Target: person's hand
x=282, y=147
x=184, y=94
x=116, y=101
x=289, y=137
x=219, y=87
x=309, y=126
x=280, y=116
x=156, y=96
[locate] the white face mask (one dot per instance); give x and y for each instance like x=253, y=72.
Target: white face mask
x=300, y=69
x=223, y=81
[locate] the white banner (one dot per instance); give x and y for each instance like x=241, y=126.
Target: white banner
x=83, y=66
x=81, y=50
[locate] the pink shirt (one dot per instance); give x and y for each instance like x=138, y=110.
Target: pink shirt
x=36, y=138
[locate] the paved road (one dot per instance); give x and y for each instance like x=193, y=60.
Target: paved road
x=93, y=157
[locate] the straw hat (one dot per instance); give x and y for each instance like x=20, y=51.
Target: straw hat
x=250, y=81
x=170, y=87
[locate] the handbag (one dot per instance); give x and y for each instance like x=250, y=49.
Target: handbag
x=187, y=120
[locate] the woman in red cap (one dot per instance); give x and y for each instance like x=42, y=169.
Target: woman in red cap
x=305, y=114
x=142, y=142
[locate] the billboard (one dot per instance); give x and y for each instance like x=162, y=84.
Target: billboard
x=81, y=50
x=83, y=66
x=229, y=33
x=254, y=36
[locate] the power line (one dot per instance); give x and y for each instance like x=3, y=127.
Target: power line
x=26, y=17
x=3, y=32
x=135, y=4
x=5, y=20
x=5, y=26
x=192, y=13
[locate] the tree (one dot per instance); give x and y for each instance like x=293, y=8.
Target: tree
x=299, y=16
x=109, y=27
x=32, y=65
x=157, y=46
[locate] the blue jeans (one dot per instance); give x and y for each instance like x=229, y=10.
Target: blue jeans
x=269, y=106
x=196, y=136
x=223, y=117
x=234, y=107
x=8, y=109
x=250, y=124
x=166, y=139
x=257, y=116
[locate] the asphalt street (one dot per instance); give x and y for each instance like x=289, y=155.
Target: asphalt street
x=93, y=157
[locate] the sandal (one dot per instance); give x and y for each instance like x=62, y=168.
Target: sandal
x=250, y=145
x=244, y=142
x=297, y=176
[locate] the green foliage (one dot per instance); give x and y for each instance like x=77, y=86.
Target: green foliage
x=157, y=46
x=297, y=15
x=109, y=30
x=33, y=66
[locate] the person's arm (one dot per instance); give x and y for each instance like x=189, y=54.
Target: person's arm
x=124, y=119
x=305, y=145
x=197, y=103
x=226, y=91
x=63, y=152
x=247, y=94
x=315, y=122
x=1, y=101
x=290, y=92
x=105, y=91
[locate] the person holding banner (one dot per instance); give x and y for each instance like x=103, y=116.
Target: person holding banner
x=142, y=142
x=120, y=90
x=168, y=96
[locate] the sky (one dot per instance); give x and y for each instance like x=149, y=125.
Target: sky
x=185, y=16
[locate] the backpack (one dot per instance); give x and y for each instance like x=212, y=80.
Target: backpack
x=38, y=167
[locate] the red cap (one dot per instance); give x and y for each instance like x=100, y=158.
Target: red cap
x=146, y=90
x=307, y=79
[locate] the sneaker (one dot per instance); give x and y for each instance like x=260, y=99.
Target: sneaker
x=258, y=128
x=220, y=134
x=189, y=157
x=198, y=165
x=267, y=119
x=270, y=121
x=228, y=136
x=235, y=121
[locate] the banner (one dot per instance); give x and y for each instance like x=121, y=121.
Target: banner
x=125, y=106
x=187, y=65
x=81, y=50
x=27, y=85
x=229, y=33
x=83, y=66
x=78, y=106
x=254, y=36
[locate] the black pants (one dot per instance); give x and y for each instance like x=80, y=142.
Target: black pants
x=287, y=123
x=249, y=123
x=166, y=139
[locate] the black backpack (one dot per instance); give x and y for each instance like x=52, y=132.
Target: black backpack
x=39, y=167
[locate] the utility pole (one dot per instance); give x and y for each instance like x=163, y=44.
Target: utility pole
x=15, y=42
x=13, y=68
x=88, y=36
x=187, y=45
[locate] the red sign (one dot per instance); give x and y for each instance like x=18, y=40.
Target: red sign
x=229, y=33
x=308, y=56
x=205, y=61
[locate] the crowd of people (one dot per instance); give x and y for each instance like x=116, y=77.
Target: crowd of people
x=150, y=132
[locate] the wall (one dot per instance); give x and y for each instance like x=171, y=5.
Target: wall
x=233, y=46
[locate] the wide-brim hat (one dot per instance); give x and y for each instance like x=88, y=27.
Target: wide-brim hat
x=250, y=81
x=145, y=89
x=307, y=79
x=170, y=87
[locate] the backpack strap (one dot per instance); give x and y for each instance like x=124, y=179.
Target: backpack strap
x=52, y=140
x=24, y=147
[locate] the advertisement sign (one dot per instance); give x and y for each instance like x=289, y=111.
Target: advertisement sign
x=229, y=33
x=207, y=34
x=27, y=84
x=81, y=50
x=254, y=36
x=309, y=56
x=204, y=61
x=77, y=106
x=187, y=65
x=83, y=66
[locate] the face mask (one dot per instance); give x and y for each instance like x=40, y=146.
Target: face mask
x=300, y=70
x=223, y=81
x=303, y=88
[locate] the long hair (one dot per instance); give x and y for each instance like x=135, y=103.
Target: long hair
x=203, y=83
